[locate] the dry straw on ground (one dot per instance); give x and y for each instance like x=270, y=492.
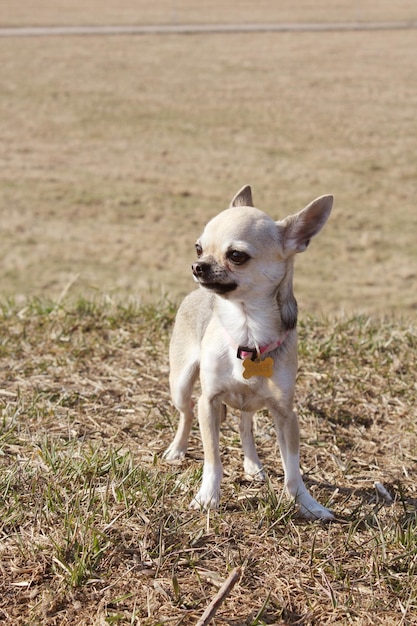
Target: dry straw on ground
x=95, y=528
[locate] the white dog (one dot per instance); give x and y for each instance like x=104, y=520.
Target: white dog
x=239, y=332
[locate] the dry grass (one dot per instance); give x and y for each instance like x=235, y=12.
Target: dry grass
x=95, y=527
x=115, y=152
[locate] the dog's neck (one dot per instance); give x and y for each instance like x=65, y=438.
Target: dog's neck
x=254, y=324
x=287, y=304
x=261, y=320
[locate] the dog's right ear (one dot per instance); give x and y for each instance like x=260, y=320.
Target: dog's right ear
x=299, y=229
x=243, y=197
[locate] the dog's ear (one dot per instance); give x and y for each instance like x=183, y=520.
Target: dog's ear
x=243, y=197
x=299, y=229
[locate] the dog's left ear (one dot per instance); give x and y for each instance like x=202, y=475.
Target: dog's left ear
x=300, y=228
x=243, y=197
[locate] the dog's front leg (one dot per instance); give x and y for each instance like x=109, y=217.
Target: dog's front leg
x=209, y=417
x=286, y=423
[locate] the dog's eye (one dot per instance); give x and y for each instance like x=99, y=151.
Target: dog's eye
x=198, y=249
x=238, y=257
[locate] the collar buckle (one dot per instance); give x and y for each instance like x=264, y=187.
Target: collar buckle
x=254, y=354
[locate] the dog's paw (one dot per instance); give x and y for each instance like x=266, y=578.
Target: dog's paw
x=174, y=454
x=259, y=477
x=254, y=472
x=208, y=496
x=310, y=509
x=203, y=501
x=201, y=504
x=317, y=513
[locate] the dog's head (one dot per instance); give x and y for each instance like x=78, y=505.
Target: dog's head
x=243, y=253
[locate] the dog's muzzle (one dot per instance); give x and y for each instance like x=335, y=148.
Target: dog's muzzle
x=210, y=278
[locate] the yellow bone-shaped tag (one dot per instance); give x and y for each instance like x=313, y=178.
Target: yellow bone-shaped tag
x=258, y=368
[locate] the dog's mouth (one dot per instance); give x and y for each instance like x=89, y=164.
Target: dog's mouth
x=219, y=288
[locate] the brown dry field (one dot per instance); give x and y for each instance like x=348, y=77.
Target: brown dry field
x=76, y=12
x=115, y=151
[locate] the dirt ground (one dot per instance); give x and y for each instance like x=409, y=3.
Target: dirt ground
x=115, y=151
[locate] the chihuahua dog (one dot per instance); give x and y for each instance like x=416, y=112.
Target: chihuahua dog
x=238, y=331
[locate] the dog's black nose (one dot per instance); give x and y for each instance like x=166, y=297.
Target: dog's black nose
x=200, y=269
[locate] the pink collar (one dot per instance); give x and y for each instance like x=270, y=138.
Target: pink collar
x=243, y=352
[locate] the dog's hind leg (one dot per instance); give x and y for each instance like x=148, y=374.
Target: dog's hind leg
x=182, y=384
x=286, y=423
x=251, y=462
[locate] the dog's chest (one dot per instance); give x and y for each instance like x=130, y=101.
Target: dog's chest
x=246, y=396
x=227, y=382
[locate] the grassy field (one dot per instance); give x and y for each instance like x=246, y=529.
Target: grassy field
x=95, y=528
x=114, y=152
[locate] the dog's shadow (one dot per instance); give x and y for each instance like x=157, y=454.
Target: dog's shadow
x=367, y=502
